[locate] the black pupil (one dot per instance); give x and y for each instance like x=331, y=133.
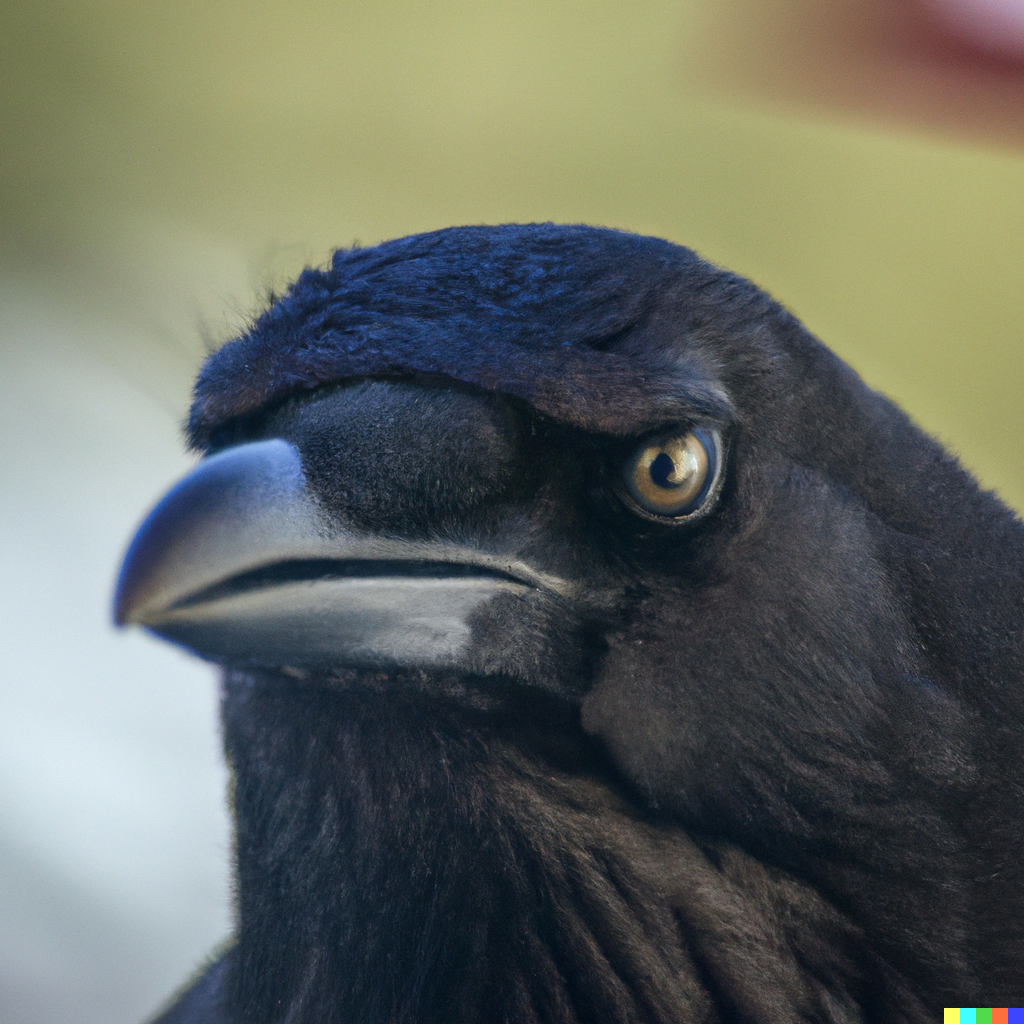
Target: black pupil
x=661, y=469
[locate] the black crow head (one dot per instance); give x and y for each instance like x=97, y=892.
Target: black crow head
x=598, y=647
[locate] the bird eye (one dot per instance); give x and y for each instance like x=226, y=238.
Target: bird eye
x=674, y=475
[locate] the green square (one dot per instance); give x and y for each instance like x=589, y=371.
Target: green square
x=984, y=1016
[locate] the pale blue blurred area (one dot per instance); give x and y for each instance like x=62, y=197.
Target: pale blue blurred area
x=114, y=837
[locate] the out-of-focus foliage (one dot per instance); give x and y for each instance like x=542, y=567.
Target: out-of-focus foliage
x=280, y=130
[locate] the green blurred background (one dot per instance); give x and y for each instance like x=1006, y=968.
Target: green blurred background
x=239, y=141
x=162, y=166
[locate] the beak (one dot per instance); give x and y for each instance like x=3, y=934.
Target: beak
x=241, y=565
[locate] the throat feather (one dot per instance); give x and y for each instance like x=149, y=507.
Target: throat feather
x=404, y=859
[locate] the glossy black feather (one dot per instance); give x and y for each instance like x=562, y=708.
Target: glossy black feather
x=767, y=768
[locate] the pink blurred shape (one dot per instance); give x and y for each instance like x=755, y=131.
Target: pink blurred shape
x=993, y=25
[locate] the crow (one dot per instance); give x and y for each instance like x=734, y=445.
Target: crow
x=597, y=647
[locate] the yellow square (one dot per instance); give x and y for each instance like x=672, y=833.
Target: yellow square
x=951, y=1016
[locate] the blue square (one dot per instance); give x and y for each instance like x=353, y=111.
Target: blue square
x=1016, y=1015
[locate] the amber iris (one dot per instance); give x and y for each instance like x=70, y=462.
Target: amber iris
x=669, y=476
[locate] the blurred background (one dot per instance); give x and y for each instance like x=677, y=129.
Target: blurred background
x=163, y=166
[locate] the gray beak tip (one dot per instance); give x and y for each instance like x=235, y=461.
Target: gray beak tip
x=228, y=500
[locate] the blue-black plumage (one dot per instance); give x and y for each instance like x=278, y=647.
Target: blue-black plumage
x=567, y=591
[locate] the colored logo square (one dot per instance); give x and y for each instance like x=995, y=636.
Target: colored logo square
x=983, y=1015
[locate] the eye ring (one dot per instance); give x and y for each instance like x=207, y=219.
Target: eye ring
x=674, y=476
